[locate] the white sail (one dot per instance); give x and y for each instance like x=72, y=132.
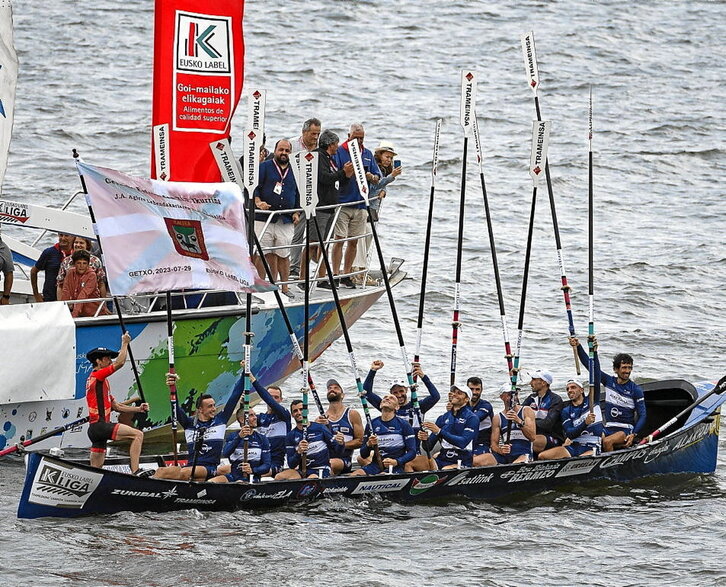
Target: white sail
x=8, y=77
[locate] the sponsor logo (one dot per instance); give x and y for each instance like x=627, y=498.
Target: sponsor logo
x=62, y=486
x=334, y=490
x=195, y=501
x=188, y=237
x=307, y=490
x=147, y=494
x=419, y=486
x=464, y=479
x=379, y=486
x=617, y=460
x=531, y=473
x=13, y=213
x=203, y=43
x=251, y=494
x=655, y=452
x=577, y=468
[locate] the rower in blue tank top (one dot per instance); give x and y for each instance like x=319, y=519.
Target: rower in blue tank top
x=314, y=443
x=258, y=461
x=456, y=430
x=546, y=405
x=513, y=432
x=583, y=429
x=485, y=412
x=624, y=410
x=394, y=438
x=273, y=424
x=346, y=425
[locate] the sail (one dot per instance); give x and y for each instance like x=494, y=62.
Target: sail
x=198, y=74
x=162, y=236
x=8, y=77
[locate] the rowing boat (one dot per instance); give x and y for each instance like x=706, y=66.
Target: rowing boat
x=56, y=487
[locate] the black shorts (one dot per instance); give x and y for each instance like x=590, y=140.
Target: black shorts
x=100, y=433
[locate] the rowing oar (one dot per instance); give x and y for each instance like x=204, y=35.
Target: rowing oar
x=718, y=389
x=427, y=245
x=493, y=247
x=349, y=346
x=54, y=432
x=530, y=65
x=538, y=154
x=468, y=99
x=173, y=399
x=359, y=172
x=590, y=267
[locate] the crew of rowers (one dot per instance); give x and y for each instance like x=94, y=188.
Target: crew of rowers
x=470, y=433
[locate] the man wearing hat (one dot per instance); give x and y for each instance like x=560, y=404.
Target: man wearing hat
x=456, y=430
x=513, y=432
x=346, y=425
x=546, y=406
x=101, y=403
x=582, y=427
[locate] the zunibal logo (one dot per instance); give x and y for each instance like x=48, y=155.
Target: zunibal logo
x=420, y=485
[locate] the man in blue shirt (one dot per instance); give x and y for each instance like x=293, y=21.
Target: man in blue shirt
x=484, y=411
x=546, y=406
x=277, y=190
x=352, y=219
x=50, y=261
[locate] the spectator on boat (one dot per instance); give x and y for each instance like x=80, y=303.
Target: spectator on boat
x=81, y=283
x=82, y=244
x=306, y=142
x=456, y=430
x=273, y=424
x=484, y=411
x=100, y=403
x=347, y=426
x=258, y=461
x=624, y=414
x=546, y=405
x=204, y=435
x=315, y=443
x=583, y=430
x=384, y=154
x=277, y=191
x=50, y=261
x=351, y=221
x=405, y=406
x=394, y=438
x=6, y=270
x=513, y=432
x=330, y=178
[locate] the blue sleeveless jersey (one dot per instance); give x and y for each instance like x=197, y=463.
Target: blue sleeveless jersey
x=258, y=455
x=320, y=438
x=343, y=425
x=275, y=425
x=520, y=444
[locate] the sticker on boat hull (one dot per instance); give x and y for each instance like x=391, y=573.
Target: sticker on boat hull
x=62, y=486
x=380, y=486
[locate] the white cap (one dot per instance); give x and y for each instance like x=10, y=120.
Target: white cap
x=544, y=375
x=464, y=389
x=577, y=381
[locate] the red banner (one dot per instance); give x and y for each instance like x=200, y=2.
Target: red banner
x=198, y=74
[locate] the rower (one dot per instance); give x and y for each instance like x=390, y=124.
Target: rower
x=347, y=426
x=484, y=412
x=274, y=424
x=583, y=429
x=204, y=435
x=394, y=438
x=100, y=403
x=624, y=415
x=456, y=430
x=513, y=431
x=315, y=443
x=546, y=405
x=405, y=406
x=257, y=461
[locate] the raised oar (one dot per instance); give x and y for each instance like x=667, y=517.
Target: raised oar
x=468, y=100
x=530, y=65
x=359, y=172
x=493, y=247
x=538, y=154
x=718, y=389
x=173, y=400
x=427, y=244
x=349, y=346
x=590, y=267
x=54, y=432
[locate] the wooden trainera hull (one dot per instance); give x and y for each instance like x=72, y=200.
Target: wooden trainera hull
x=60, y=488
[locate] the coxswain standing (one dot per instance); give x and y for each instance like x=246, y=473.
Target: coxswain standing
x=394, y=438
x=101, y=402
x=204, y=435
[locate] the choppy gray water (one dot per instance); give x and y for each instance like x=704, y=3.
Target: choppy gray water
x=85, y=81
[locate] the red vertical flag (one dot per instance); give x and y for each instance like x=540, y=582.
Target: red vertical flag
x=198, y=74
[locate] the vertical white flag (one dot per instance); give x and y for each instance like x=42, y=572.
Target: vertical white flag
x=8, y=78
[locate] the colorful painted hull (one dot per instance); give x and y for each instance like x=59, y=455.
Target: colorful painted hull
x=208, y=348
x=59, y=488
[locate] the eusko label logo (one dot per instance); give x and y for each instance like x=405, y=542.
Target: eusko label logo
x=203, y=43
x=62, y=486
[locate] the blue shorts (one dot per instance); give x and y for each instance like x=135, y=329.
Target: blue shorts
x=234, y=477
x=482, y=449
x=321, y=472
x=374, y=469
x=347, y=464
x=552, y=441
x=577, y=450
x=511, y=457
x=450, y=456
x=613, y=429
x=211, y=469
